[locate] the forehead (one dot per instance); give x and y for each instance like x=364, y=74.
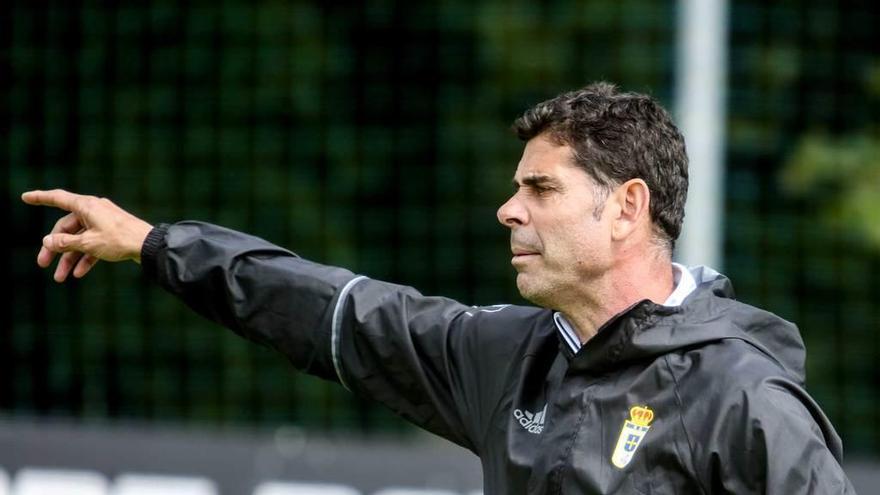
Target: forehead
x=542, y=156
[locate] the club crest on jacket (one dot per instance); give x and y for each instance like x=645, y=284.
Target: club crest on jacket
x=631, y=435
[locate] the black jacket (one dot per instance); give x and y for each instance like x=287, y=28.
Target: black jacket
x=707, y=397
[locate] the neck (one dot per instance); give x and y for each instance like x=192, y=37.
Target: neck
x=623, y=285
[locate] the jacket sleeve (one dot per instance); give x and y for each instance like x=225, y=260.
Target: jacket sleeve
x=776, y=440
x=440, y=364
x=434, y=361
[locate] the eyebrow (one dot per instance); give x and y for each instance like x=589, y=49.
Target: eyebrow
x=537, y=181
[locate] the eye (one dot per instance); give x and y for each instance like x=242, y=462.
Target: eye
x=541, y=190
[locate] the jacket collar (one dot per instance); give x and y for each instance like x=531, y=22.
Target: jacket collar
x=710, y=314
x=685, y=284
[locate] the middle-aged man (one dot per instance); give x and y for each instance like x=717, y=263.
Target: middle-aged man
x=635, y=374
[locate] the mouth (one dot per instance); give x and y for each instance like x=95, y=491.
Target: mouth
x=522, y=255
x=522, y=251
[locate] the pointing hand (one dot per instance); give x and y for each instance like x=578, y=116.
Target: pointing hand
x=95, y=229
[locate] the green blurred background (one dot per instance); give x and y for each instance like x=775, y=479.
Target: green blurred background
x=375, y=136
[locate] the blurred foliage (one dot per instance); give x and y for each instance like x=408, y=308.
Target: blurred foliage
x=841, y=174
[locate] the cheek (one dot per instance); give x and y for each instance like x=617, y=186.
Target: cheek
x=582, y=242
x=568, y=234
x=564, y=244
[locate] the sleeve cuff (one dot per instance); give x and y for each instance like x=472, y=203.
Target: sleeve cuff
x=154, y=242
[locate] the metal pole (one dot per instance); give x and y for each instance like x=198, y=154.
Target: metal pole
x=700, y=108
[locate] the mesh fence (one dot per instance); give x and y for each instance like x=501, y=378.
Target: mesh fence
x=797, y=68
x=374, y=136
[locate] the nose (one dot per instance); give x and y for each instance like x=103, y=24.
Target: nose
x=512, y=213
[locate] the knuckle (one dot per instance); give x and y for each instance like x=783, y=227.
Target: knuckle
x=86, y=203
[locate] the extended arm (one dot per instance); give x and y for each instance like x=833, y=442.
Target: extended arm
x=432, y=360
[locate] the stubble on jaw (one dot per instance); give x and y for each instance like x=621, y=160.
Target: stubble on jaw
x=537, y=289
x=579, y=282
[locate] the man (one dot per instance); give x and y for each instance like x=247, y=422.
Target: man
x=636, y=375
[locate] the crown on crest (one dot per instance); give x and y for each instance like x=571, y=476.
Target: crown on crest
x=641, y=415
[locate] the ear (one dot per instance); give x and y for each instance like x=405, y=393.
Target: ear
x=633, y=204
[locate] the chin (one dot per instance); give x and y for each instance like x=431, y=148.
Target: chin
x=533, y=291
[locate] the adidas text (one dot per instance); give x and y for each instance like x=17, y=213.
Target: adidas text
x=531, y=422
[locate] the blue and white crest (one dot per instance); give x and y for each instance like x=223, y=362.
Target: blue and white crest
x=631, y=435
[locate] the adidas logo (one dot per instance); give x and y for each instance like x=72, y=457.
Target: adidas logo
x=531, y=422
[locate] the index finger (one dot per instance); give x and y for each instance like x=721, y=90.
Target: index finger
x=58, y=198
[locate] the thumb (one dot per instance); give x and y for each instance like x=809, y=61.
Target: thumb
x=62, y=243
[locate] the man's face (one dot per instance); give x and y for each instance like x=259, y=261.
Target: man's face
x=558, y=244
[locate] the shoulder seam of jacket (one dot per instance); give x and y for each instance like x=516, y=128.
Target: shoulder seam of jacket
x=335, y=330
x=681, y=419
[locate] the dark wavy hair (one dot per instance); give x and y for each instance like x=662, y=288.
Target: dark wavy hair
x=616, y=137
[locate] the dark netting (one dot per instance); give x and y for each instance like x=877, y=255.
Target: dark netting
x=375, y=137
